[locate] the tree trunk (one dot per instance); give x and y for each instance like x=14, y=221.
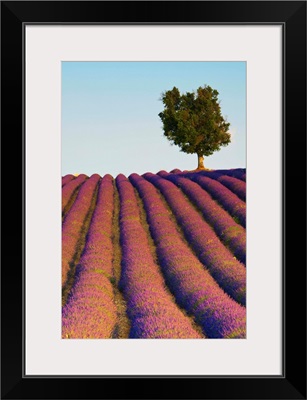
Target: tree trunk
x=200, y=161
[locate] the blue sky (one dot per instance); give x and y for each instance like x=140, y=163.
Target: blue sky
x=110, y=121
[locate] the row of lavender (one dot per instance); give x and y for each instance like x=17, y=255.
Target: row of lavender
x=151, y=309
x=226, y=270
x=73, y=223
x=90, y=310
x=189, y=280
x=230, y=233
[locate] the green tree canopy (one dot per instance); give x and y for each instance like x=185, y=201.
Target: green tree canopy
x=194, y=122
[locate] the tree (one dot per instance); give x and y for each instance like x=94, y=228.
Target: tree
x=194, y=122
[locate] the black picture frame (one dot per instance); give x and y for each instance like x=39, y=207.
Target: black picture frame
x=292, y=16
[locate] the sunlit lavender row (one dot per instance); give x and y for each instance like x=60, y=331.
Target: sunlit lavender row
x=193, y=286
x=72, y=231
x=90, y=311
x=237, y=186
x=230, y=233
x=70, y=188
x=225, y=197
x=158, y=256
x=67, y=178
x=223, y=266
x=151, y=309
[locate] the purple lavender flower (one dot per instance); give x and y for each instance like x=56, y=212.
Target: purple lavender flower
x=150, y=306
x=238, y=173
x=67, y=178
x=230, y=233
x=235, y=173
x=237, y=186
x=70, y=188
x=191, y=283
x=225, y=269
x=90, y=311
x=228, y=200
x=73, y=223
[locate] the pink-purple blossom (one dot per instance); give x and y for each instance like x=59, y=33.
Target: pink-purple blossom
x=67, y=178
x=223, y=266
x=73, y=223
x=237, y=186
x=189, y=280
x=151, y=308
x=230, y=233
x=228, y=200
x=70, y=188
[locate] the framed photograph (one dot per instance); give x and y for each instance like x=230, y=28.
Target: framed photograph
x=154, y=183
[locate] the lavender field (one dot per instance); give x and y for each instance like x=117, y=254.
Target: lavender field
x=154, y=256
